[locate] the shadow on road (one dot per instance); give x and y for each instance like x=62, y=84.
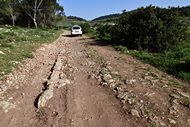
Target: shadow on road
x=99, y=43
x=68, y=35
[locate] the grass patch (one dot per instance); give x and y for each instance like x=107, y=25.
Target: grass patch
x=175, y=62
x=17, y=44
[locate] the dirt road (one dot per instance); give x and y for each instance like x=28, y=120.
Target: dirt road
x=78, y=82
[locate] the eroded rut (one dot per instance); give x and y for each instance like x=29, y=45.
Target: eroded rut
x=75, y=82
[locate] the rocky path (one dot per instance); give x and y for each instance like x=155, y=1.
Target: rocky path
x=76, y=82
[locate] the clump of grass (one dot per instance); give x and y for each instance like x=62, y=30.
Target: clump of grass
x=185, y=102
x=19, y=43
x=176, y=61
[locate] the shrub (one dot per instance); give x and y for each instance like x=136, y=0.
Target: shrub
x=86, y=28
x=151, y=28
x=104, y=32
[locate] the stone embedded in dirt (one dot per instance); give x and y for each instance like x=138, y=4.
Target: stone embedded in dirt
x=58, y=65
x=184, y=94
x=106, y=77
x=103, y=83
x=45, y=96
x=123, y=96
x=1, y=52
x=113, y=85
x=16, y=87
x=62, y=75
x=155, y=120
x=10, y=98
x=63, y=82
x=149, y=94
x=130, y=82
x=54, y=113
x=173, y=110
x=91, y=76
x=171, y=121
x=175, y=96
x=188, y=121
x=3, y=88
x=111, y=81
x=134, y=112
x=115, y=73
x=109, y=67
x=6, y=106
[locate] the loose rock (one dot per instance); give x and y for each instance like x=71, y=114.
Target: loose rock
x=134, y=112
x=130, y=82
x=1, y=52
x=63, y=82
x=46, y=95
x=172, y=121
x=6, y=106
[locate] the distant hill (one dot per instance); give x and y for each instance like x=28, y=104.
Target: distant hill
x=69, y=21
x=76, y=18
x=110, y=17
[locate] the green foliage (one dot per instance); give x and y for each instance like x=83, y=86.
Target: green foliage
x=104, y=32
x=176, y=62
x=151, y=28
x=17, y=44
x=14, y=11
x=76, y=18
x=107, y=18
x=86, y=28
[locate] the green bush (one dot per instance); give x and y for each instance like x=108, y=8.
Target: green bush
x=86, y=28
x=151, y=28
x=104, y=32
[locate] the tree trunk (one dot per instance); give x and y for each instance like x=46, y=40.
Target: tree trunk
x=13, y=22
x=35, y=23
x=13, y=19
x=29, y=21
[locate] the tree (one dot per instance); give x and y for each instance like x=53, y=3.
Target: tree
x=31, y=8
x=9, y=7
x=153, y=29
x=49, y=13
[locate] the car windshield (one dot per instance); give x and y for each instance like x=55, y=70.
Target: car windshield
x=76, y=27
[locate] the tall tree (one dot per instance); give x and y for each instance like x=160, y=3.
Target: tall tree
x=31, y=8
x=8, y=8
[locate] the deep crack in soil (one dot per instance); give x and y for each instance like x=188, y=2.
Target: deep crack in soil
x=85, y=84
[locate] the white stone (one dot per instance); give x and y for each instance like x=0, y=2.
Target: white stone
x=6, y=106
x=134, y=112
x=63, y=82
x=2, y=53
x=46, y=95
x=172, y=121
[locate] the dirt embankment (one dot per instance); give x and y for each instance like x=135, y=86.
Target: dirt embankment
x=76, y=82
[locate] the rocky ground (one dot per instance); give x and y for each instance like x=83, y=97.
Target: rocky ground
x=78, y=82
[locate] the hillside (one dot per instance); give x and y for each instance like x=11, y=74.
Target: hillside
x=69, y=21
x=111, y=17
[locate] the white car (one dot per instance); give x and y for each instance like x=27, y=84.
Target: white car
x=76, y=30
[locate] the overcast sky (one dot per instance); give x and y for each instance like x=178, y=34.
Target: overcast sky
x=90, y=9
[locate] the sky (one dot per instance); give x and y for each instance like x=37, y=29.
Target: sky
x=90, y=9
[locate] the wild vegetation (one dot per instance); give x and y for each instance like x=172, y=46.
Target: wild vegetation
x=107, y=18
x=76, y=18
x=17, y=44
x=18, y=39
x=38, y=13
x=159, y=36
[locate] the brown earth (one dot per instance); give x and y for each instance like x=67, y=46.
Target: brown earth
x=81, y=83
